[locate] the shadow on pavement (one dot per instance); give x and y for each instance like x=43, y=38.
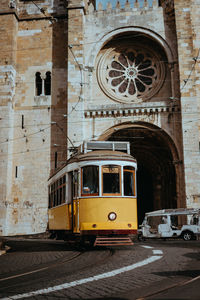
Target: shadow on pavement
x=185, y=273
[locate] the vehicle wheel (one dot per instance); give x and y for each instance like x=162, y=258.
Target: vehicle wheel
x=187, y=235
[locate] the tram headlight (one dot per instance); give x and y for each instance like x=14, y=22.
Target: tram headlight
x=112, y=216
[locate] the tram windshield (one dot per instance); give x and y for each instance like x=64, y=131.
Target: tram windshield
x=90, y=181
x=129, y=178
x=111, y=179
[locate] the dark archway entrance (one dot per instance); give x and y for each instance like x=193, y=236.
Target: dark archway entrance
x=156, y=175
x=145, y=195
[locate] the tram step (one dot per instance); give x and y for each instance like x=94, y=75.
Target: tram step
x=113, y=241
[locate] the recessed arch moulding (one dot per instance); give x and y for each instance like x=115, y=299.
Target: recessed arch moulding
x=106, y=38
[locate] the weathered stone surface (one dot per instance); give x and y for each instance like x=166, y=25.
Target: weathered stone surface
x=75, y=41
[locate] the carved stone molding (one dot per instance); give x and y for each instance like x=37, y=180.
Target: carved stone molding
x=130, y=73
x=130, y=111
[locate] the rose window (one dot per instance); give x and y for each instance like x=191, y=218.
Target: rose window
x=130, y=74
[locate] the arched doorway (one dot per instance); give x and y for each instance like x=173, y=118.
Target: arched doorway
x=156, y=155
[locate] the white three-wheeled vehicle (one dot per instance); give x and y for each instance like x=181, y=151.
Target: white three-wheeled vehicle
x=168, y=223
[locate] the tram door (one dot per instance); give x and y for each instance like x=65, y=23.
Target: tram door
x=73, y=182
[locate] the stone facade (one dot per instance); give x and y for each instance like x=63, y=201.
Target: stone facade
x=32, y=41
x=119, y=70
x=187, y=24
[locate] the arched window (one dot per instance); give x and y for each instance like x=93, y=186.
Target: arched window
x=47, y=84
x=38, y=84
x=43, y=84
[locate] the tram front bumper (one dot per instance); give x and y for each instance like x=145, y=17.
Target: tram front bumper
x=110, y=226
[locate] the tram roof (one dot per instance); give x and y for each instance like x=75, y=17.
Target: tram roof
x=102, y=155
x=97, y=155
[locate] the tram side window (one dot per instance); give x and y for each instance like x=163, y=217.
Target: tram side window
x=111, y=179
x=90, y=181
x=57, y=192
x=129, y=181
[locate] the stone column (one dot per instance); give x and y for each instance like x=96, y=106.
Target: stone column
x=187, y=25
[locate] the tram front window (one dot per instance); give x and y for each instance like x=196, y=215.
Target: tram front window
x=129, y=178
x=111, y=180
x=90, y=181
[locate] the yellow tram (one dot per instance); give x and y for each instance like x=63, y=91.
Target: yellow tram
x=93, y=196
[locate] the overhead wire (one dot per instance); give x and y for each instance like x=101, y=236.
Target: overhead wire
x=43, y=11
x=77, y=44
x=74, y=107
x=98, y=119
x=25, y=135
x=56, y=123
x=195, y=59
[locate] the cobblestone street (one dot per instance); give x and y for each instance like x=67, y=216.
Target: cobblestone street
x=43, y=269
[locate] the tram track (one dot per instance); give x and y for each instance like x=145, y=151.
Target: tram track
x=169, y=288
x=41, y=269
x=30, y=277
x=93, y=264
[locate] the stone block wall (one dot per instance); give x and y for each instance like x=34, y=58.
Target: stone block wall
x=187, y=24
x=99, y=26
x=96, y=114
x=96, y=25
x=32, y=40
x=67, y=39
x=76, y=82
x=7, y=90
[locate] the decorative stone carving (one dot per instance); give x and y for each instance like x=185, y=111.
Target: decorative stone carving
x=130, y=73
x=128, y=4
